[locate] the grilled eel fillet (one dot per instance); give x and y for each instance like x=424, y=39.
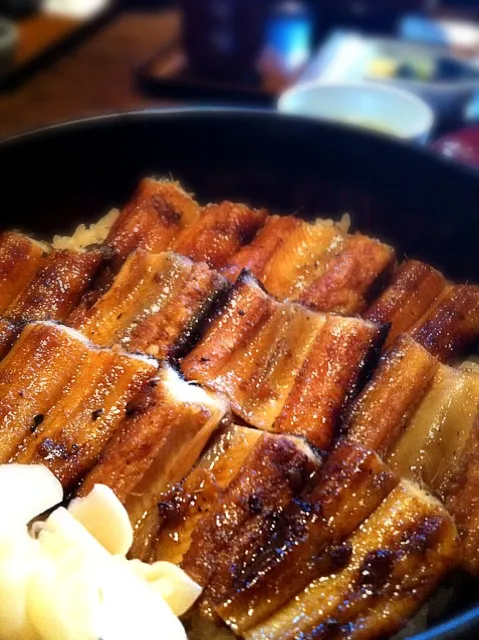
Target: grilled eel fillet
x=245, y=475
x=219, y=232
x=436, y=437
x=61, y=398
x=317, y=264
x=156, y=446
x=413, y=289
x=154, y=304
x=154, y=216
x=101, y=415
x=382, y=411
x=351, y=278
x=462, y=500
x=20, y=258
x=451, y=325
x=37, y=283
x=418, y=414
x=265, y=566
x=56, y=287
x=40, y=283
x=161, y=216
x=398, y=556
x=283, y=367
x=185, y=504
x=442, y=317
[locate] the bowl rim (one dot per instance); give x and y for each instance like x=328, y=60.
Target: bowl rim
x=233, y=113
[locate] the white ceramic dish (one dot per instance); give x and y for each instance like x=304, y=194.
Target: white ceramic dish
x=375, y=106
x=349, y=56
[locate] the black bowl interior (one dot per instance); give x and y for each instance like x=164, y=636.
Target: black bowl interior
x=427, y=207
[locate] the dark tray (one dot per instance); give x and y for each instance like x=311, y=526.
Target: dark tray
x=286, y=49
x=166, y=74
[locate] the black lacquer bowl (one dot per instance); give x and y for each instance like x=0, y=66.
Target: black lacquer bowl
x=51, y=180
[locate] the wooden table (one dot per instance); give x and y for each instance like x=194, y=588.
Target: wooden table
x=95, y=78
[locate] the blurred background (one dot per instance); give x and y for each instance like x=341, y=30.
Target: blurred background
x=64, y=59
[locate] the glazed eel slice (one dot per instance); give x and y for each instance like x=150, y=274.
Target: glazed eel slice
x=283, y=367
x=150, y=221
x=37, y=283
x=418, y=414
x=411, y=292
x=382, y=411
x=57, y=286
x=153, y=305
x=398, y=556
x=431, y=448
x=61, y=398
x=33, y=376
x=20, y=259
x=183, y=505
x=156, y=445
x=462, y=500
x=295, y=262
x=317, y=264
x=161, y=216
x=451, y=325
x=244, y=476
x=351, y=278
x=219, y=232
x=259, y=573
x=256, y=255
x=155, y=214
x=442, y=317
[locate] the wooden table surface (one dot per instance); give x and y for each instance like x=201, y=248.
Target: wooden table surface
x=94, y=78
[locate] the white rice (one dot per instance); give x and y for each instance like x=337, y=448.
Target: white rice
x=199, y=629
x=471, y=364
x=84, y=236
x=343, y=224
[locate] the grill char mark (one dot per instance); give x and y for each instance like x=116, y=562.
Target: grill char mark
x=307, y=539
x=420, y=541
x=351, y=278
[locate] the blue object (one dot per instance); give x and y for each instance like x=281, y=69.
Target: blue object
x=471, y=113
x=422, y=29
x=289, y=32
